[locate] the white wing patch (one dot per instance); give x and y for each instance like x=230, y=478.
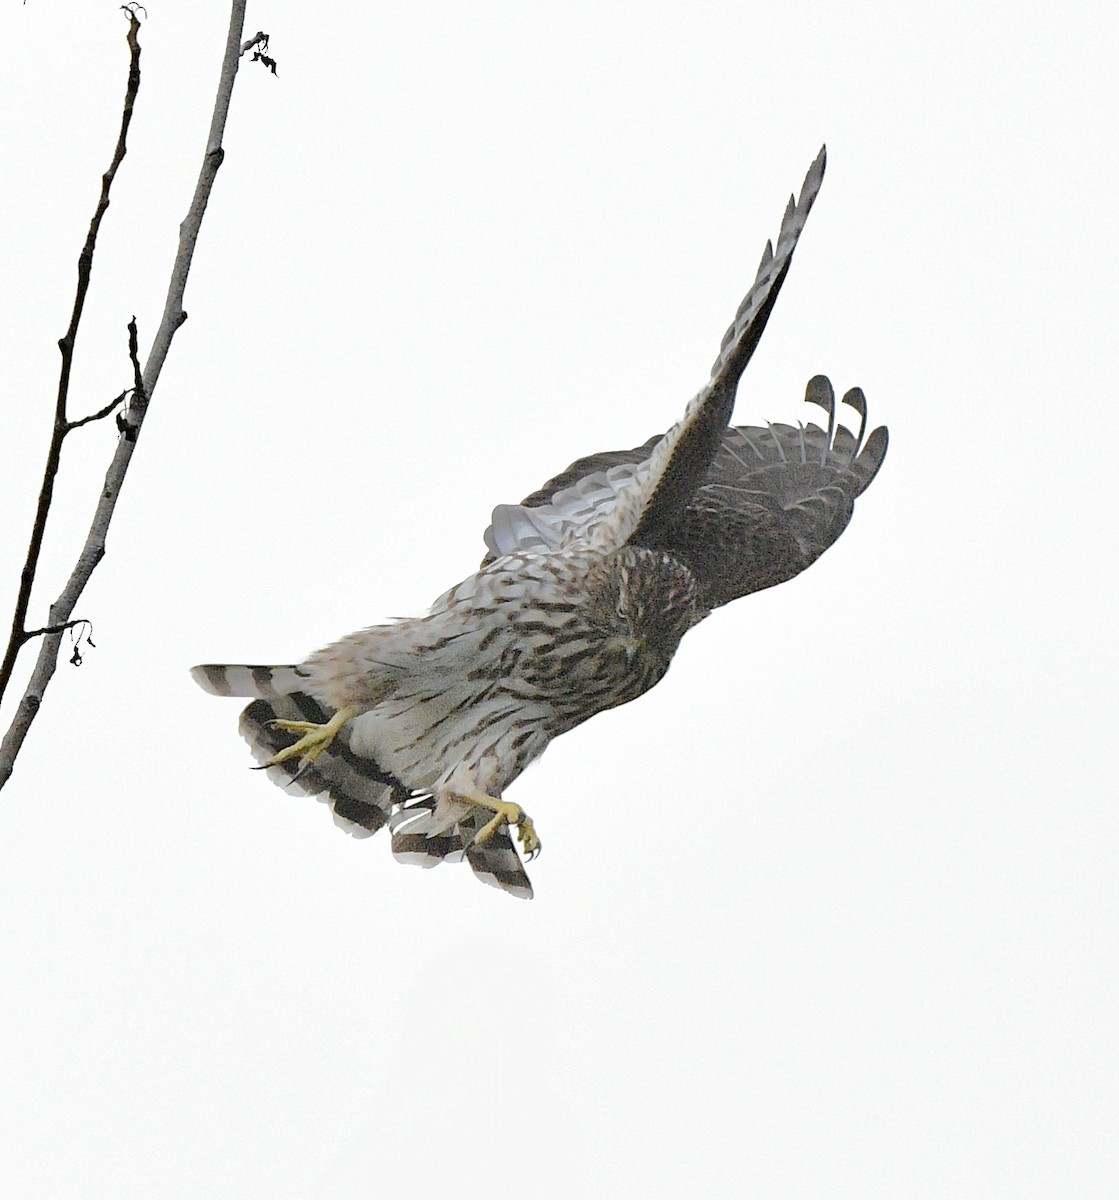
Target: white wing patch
x=573, y=515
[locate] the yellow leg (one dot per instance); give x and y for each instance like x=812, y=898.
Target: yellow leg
x=315, y=738
x=504, y=813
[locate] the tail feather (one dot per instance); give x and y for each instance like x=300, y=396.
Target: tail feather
x=497, y=862
x=233, y=679
x=428, y=832
x=360, y=794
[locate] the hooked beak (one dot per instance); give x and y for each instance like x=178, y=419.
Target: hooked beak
x=629, y=646
x=632, y=646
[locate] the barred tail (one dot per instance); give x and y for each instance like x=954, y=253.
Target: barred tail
x=232, y=679
x=362, y=797
x=360, y=794
x=428, y=832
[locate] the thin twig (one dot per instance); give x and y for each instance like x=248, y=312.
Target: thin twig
x=102, y=413
x=134, y=357
x=58, y=628
x=99, y=415
x=173, y=316
x=66, y=346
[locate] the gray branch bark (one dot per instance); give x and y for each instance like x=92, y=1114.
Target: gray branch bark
x=173, y=316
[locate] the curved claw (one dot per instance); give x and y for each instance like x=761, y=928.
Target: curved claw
x=527, y=836
x=314, y=741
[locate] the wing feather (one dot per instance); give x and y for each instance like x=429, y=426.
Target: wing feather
x=772, y=501
x=751, y=527
x=650, y=494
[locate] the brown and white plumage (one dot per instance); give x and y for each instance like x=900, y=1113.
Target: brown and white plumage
x=586, y=589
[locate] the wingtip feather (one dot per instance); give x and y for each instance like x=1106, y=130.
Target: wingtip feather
x=855, y=398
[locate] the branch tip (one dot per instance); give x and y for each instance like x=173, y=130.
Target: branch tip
x=261, y=55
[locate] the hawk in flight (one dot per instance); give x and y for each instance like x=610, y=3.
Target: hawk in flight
x=584, y=593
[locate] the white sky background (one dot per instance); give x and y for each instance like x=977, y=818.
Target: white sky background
x=831, y=912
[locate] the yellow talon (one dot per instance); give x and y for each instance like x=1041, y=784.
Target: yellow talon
x=505, y=813
x=315, y=738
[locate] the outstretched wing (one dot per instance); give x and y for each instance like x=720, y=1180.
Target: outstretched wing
x=637, y=500
x=771, y=502
x=774, y=499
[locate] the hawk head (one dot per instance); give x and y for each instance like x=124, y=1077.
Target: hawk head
x=642, y=604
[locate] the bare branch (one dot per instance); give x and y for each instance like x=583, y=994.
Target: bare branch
x=137, y=387
x=173, y=316
x=134, y=357
x=99, y=415
x=34, y=633
x=66, y=346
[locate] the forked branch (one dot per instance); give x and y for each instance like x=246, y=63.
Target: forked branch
x=138, y=396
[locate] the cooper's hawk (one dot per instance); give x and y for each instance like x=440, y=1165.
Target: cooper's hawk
x=586, y=589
